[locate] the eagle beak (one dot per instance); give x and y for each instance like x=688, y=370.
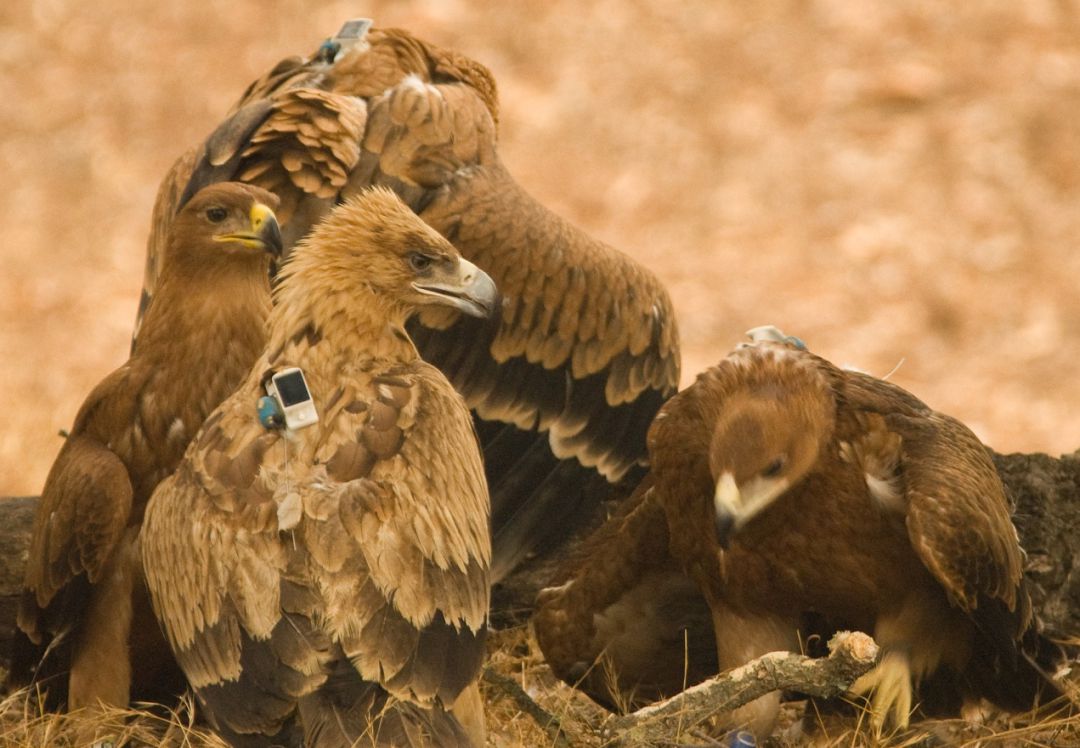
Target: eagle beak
x=726, y=503
x=734, y=506
x=264, y=225
x=265, y=233
x=468, y=289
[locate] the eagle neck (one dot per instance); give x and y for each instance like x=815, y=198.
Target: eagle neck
x=200, y=336
x=227, y=303
x=360, y=319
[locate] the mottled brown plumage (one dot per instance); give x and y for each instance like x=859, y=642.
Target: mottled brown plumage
x=789, y=487
x=199, y=338
x=334, y=580
x=565, y=380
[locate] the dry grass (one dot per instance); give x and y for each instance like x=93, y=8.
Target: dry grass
x=1000, y=731
x=514, y=656
x=24, y=724
x=515, y=653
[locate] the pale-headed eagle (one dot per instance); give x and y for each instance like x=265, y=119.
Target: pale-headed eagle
x=785, y=487
x=84, y=607
x=335, y=579
x=565, y=379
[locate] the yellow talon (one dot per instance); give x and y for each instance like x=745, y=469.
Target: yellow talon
x=890, y=683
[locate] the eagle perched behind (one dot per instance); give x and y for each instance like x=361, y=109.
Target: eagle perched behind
x=789, y=487
x=335, y=579
x=566, y=377
x=200, y=336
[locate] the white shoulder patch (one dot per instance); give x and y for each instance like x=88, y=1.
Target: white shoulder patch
x=415, y=82
x=885, y=493
x=177, y=430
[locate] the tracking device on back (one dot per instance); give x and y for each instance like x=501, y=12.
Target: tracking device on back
x=290, y=389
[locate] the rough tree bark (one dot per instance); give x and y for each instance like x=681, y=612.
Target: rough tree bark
x=1045, y=494
x=16, y=519
x=1044, y=490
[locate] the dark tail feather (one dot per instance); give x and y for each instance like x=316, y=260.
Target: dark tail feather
x=1024, y=682
x=347, y=711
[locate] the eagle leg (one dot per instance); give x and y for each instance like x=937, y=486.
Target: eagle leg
x=740, y=638
x=101, y=666
x=890, y=686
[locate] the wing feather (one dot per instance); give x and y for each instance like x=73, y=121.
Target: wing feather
x=415, y=528
x=386, y=565
x=83, y=514
x=421, y=508
x=958, y=516
x=210, y=548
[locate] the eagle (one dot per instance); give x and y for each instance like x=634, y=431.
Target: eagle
x=332, y=582
x=565, y=378
x=83, y=603
x=786, y=488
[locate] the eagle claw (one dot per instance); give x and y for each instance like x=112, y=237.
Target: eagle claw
x=890, y=684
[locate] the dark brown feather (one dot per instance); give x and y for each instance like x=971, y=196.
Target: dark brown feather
x=622, y=621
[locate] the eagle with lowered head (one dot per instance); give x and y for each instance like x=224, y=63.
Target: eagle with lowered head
x=89, y=633
x=334, y=580
x=785, y=487
x=566, y=377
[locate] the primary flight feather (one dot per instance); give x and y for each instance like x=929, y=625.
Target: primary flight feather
x=199, y=337
x=334, y=580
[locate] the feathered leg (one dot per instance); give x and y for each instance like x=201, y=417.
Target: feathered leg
x=740, y=639
x=101, y=666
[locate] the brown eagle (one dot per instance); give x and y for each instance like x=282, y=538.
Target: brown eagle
x=83, y=583
x=335, y=579
x=565, y=379
x=786, y=487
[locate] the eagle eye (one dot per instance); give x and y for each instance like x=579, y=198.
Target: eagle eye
x=773, y=468
x=217, y=214
x=419, y=262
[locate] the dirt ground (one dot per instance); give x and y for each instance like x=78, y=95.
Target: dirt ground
x=893, y=182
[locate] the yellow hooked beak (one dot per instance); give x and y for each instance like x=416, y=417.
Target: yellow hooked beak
x=265, y=233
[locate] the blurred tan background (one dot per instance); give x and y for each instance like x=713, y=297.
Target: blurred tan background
x=889, y=180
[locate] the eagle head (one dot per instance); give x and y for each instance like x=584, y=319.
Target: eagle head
x=765, y=440
x=233, y=218
x=374, y=246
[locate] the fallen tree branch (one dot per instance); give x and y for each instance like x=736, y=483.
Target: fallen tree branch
x=850, y=655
